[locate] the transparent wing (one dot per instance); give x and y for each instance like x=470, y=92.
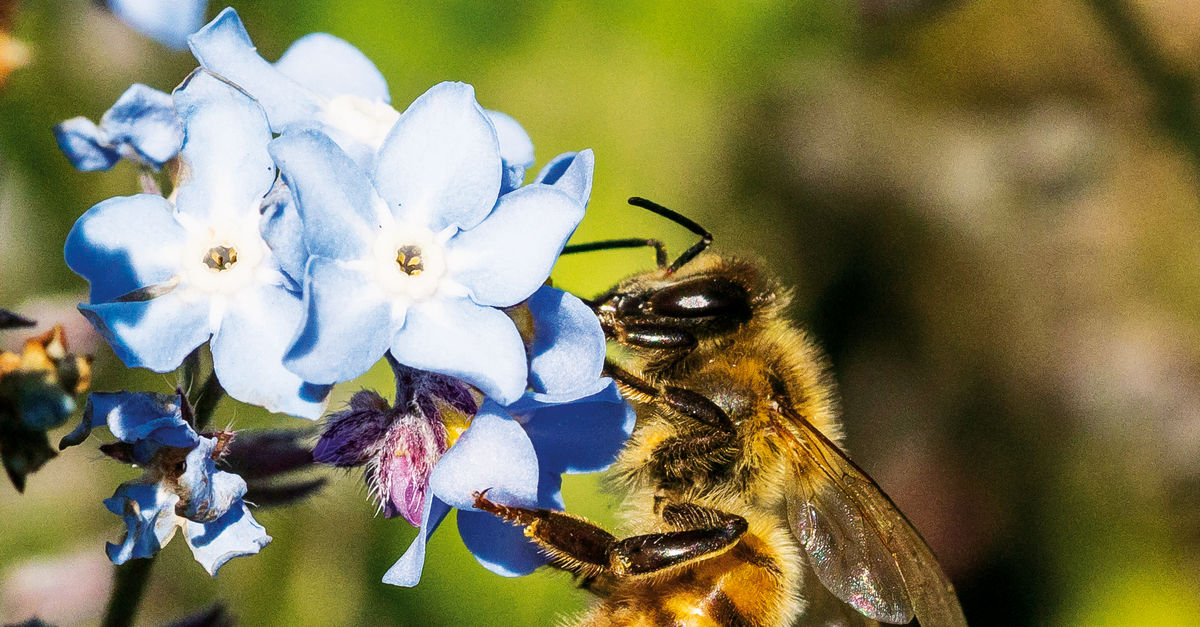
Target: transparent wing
x=857, y=542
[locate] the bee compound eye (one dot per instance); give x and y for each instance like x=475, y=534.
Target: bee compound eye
x=706, y=297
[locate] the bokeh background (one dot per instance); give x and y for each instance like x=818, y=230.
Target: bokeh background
x=990, y=213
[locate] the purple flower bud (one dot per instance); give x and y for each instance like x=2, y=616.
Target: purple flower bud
x=414, y=443
x=352, y=437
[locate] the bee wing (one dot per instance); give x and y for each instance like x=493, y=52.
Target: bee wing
x=858, y=543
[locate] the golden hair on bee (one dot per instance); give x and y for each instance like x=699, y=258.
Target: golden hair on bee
x=743, y=508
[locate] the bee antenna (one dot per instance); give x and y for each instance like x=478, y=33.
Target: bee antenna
x=706, y=238
x=660, y=251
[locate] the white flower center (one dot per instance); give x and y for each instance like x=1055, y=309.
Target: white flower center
x=359, y=119
x=223, y=259
x=410, y=261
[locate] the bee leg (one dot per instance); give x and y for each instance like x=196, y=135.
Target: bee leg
x=689, y=403
x=654, y=553
x=698, y=407
x=574, y=544
x=581, y=547
x=673, y=341
x=679, y=515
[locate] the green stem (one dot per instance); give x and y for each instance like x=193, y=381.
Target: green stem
x=129, y=586
x=206, y=401
x=1173, y=90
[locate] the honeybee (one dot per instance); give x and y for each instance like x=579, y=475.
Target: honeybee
x=739, y=494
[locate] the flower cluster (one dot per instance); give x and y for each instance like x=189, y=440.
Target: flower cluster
x=180, y=487
x=310, y=230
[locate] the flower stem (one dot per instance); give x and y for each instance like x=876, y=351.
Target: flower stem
x=129, y=586
x=206, y=401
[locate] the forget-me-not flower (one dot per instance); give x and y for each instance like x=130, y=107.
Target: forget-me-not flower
x=417, y=259
x=180, y=487
x=571, y=421
x=325, y=83
x=166, y=278
x=168, y=22
x=141, y=126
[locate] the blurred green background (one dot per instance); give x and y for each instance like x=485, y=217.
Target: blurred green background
x=989, y=212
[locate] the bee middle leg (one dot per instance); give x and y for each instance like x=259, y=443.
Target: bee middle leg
x=581, y=547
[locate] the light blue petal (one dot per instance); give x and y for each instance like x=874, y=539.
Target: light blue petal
x=155, y=334
x=581, y=436
x=168, y=22
x=338, y=206
x=145, y=119
x=223, y=47
x=233, y=535
x=571, y=172
x=407, y=570
x=209, y=493
x=568, y=344
x=136, y=416
x=504, y=259
x=493, y=455
x=516, y=149
x=248, y=352
x=347, y=325
x=86, y=146
x=332, y=67
x=228, y=170
x=456, y=337
x=125, y=243
x=440, y=164
x=550, y=491
x=498, y=545
x=283, y=232
x=512, y=179
x=132, y=417
x=149, y=513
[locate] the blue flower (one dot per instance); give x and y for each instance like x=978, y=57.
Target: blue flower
x=166, y=278
x=418, y=259
x=325, y=83
x=571, y=421
x=141, y=126
x=322, y=81
x=180, y=488
x=167, y=21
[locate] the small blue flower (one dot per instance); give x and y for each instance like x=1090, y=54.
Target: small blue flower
x=322, y=81
x=168, y=22
x=141, y=126
x=180, y=488
x=166, y=278
x=325, y=83
x=571, y=421
x=417, y=260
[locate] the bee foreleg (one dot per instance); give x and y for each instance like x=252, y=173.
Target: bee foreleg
x=698, y=407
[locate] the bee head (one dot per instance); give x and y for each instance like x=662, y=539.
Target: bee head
x=707, y=299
